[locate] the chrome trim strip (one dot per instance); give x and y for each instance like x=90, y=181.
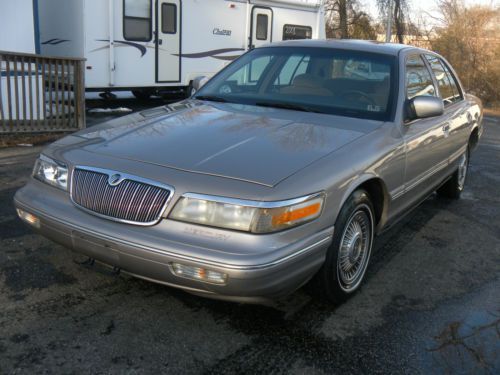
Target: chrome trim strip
x=457, y=154
x=428, y=174
x=419, y=179
x=255, y=204
x=124, y=177
x=180, y=256
x=396, y=193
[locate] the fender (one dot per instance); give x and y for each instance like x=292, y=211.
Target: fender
x=358, y=181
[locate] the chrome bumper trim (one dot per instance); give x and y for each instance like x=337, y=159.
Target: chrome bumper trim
x=175, y=255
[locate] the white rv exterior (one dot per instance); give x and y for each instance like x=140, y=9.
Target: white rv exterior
x=18, y=33
x=163, y=45
x=17, y=26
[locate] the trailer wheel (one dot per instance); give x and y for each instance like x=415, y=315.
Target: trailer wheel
x=141, y=94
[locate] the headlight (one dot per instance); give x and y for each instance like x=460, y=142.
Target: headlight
x=51, y=172
x=249, y=216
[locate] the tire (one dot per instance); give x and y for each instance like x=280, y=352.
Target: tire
x=141, y=94
x=452, y=189
x=352, y=243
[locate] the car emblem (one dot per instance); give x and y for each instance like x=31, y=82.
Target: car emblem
x=114, y=179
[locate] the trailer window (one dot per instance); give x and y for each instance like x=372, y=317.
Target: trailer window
x=137, y=20
x=168, y=18
x=261, y=30
x=296, y=32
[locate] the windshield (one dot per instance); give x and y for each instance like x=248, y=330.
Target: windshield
x=324, y=80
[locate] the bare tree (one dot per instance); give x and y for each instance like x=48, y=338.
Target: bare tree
x=469, y=38
x=399, y=14
x=345, y=20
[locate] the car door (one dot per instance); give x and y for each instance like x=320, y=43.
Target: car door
x=458, y=120
x=425, y=149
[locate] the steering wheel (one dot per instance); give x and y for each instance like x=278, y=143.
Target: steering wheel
x=358, y=94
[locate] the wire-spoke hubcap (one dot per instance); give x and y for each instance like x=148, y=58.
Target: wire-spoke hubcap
x=462, y=171
x=355, y=249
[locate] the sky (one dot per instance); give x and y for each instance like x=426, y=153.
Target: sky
x=421, y=7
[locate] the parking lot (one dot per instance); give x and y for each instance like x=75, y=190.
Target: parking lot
x=430, y=304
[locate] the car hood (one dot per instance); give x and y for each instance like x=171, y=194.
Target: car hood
x=254, y=144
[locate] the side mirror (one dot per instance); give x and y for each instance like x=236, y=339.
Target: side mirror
x=425, y=106
x=198, y=83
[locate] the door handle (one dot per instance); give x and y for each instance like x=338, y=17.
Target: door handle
x=160, y=42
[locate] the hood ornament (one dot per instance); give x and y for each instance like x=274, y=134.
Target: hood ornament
x=114, y=179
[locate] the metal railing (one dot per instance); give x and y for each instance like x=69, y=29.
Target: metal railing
x=41, y=93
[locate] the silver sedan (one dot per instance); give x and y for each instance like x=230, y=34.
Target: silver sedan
x=281, y=168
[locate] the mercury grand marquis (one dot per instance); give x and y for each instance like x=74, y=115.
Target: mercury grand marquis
x=282, y=168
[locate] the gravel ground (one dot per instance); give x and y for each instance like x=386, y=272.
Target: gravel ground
x=430, y=304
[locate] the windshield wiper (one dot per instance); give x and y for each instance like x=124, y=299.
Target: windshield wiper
x=292, y=106
x=211, y=98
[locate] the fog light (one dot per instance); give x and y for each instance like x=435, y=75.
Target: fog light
x=198, y=273
x=28, y=218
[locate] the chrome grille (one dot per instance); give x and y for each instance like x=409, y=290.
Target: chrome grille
x=130, y=200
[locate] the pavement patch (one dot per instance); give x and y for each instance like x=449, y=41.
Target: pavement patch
x=33, y=272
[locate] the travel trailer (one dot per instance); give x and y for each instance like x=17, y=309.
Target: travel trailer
x=162, y=46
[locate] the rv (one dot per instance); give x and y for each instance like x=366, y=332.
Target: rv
x=163, y=46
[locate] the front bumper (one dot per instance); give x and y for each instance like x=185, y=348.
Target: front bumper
x=258, y=267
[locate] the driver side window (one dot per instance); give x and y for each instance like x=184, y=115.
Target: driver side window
x=418, y=78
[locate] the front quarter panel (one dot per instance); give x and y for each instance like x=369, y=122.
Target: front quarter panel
x=378, y=155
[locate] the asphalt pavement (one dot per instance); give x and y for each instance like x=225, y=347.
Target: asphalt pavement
x=430, y=303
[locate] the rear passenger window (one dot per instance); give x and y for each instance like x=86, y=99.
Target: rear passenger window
x=418, y=78
x=448, y=87
x=261, y=30
x=137, y=20
x=168, y=18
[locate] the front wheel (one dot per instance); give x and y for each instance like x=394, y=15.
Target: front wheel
x=452, y=189
x=349, y=254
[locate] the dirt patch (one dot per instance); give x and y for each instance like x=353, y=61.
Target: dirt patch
x=493, y=111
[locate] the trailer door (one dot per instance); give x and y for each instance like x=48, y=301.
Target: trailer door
x=261, y=26
x=168, y=40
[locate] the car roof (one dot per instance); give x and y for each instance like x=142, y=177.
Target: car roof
x=350, y=44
